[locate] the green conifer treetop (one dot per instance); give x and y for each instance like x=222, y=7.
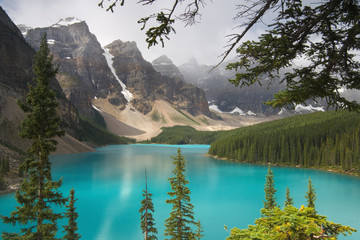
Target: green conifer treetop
x=291, y=223
x=70, y=230
x=270, y=198
x=310, y=195
x=38, y=193
x=178, y=225
x=147, y=220
x=288, y=199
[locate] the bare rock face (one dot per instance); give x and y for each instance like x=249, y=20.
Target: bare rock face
x=83, y=70
x=16, y=61
x=166, y=67
x=147, y=85
x=16, y=57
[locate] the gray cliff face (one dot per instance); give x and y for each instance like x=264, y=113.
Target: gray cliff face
x=166, y=67
x=16, y=61
x=147, y=85
x=83, y=71
x=16, y=57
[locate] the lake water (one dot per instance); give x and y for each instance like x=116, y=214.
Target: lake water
x=109, y=184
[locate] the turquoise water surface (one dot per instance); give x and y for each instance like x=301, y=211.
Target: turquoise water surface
x=109, y=184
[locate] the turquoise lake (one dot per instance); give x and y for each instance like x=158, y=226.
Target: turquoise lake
x=109, y=184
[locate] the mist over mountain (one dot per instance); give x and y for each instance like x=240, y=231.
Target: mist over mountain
x=226, y=97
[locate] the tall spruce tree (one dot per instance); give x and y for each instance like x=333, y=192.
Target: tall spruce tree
x=147, y=219
x=71, y=214
x=38, y=193
x=288, y=199
x=270, y=198
x=178, y=225
x=310, y=195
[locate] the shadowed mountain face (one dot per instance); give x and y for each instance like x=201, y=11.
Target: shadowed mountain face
x=16, y=61
x=148, y=85
x=83, y=70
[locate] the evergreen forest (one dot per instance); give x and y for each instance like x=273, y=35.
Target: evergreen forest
x=328, y=140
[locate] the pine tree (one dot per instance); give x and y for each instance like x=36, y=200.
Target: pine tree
x=289, y=200
x=178, y=225
x=199, y=232
x=5, y=165
x=147, y=220
x=38, y=193
x=310, y=195
x=72, y=215
x=270, y=198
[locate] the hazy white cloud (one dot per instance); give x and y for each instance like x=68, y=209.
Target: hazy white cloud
x=204, y=41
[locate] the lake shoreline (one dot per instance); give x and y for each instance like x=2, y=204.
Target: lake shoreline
x=331, y=170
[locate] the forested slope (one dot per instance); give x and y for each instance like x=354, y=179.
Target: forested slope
x=329, y=140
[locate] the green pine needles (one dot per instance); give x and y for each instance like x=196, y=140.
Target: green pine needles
x=288, y=199
x=147, y=220
x=71, y=228
x=38, y=193
x=310, y=195
x=270, y=191
x=179, y=225
x=289, y=222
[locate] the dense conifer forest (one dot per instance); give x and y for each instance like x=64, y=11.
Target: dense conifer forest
x=329, y=140
x=323, y=140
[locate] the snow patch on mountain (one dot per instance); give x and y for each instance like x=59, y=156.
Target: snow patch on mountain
x=96, y=108
x=51, y=41
x=309, y=108
x=215, y=108
x=235, y=111
x=109, y=59
x=299, y=109
x=66, y=22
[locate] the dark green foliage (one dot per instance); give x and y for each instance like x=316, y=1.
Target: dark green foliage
x=147, y=220
x=2, y=184
x=38, y=193
x=288, y=199
x=332, y=59
x=4, y=164
x=199, y=232
x=184, y=135
x=270, y=191
x=71, y=215
x=319, y=140
x=91, y=132
x=310, y=195
x=291, y=223
x=178, y=225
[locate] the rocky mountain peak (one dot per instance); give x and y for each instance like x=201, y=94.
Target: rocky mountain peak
x=67, y=22
x=165, y=66
x=84, y=73
x=162, y=60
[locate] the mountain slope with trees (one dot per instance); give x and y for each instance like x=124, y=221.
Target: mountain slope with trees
x=321, y=140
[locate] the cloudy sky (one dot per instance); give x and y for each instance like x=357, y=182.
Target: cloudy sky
x=204, y=41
